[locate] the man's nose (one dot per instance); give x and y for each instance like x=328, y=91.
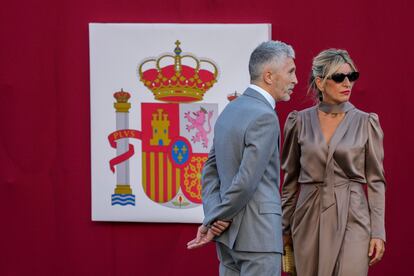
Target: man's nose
x=295, y=79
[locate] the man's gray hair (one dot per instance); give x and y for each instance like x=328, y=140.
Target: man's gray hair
x=268, y=52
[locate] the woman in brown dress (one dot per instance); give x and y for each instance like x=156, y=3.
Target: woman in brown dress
x=331, y=151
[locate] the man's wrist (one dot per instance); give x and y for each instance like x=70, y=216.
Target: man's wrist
x=203, y=228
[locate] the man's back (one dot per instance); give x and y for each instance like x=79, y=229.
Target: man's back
x=246, y=147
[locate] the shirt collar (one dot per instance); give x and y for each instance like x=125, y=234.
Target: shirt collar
x=265, y=94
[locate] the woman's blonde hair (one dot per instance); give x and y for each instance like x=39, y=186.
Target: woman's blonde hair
x=324, y=65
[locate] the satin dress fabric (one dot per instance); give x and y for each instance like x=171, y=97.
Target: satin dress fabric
x=333, y=196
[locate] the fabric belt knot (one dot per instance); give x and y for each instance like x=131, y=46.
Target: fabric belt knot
x=327, y=189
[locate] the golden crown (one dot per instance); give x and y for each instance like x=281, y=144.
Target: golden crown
x=177, y=82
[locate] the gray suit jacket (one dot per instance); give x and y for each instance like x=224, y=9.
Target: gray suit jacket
x=240, y=180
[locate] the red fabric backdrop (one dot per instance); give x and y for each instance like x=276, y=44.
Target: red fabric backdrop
x=45, y=202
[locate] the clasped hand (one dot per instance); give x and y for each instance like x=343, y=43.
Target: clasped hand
x=206, y=234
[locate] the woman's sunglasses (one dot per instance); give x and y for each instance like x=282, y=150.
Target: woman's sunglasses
x=338, y=78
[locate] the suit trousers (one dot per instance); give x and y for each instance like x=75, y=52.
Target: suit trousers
x=235, y=263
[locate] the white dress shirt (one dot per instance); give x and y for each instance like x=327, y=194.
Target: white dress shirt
x=265, y=94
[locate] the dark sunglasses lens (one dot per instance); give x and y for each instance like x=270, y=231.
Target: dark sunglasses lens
x=353, y=76
x=338, y=77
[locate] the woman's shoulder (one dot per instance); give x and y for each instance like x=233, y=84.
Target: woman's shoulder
x=295, y=117
x=308, y=110
x=371, y=116
x=370, y=120
x=304, y=112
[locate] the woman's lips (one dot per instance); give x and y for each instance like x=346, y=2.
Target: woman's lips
x=346, y=92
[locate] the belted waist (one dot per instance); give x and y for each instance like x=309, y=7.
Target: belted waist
x=327, y=189
x=336, y=183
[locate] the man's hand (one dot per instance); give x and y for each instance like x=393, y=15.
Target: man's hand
x=204, y=236
x=219, y=227
x=378, y=246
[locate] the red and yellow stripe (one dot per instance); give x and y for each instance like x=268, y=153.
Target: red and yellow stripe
x=160, y=179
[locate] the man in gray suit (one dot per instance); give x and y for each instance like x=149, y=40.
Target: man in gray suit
x=240, y=182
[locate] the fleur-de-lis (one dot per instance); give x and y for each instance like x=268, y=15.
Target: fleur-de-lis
x=176, y=149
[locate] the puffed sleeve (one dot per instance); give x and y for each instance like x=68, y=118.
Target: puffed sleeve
x=291, y=168
x=374, y=156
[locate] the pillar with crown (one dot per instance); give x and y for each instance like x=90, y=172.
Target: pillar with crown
x=123, y=193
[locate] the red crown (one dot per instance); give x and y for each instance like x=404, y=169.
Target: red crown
x=176, y=82
x=122, y=96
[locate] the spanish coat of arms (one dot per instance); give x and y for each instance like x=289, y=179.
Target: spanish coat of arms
x=176, y=131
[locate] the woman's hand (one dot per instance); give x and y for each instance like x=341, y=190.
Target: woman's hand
x=377, y=246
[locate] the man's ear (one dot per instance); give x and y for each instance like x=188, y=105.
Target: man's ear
x=267, y=75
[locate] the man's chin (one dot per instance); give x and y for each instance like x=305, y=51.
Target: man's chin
x=285, y=98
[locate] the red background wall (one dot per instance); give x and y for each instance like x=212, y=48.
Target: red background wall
x=45, y=201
